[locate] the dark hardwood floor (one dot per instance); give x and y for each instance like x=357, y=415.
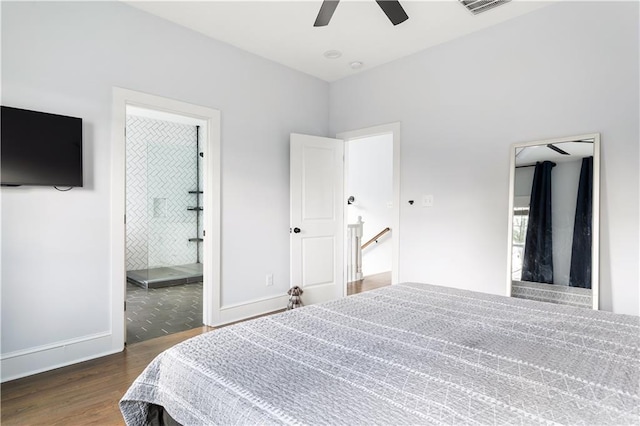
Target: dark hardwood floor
x=88, y=392
x=370, y=282
x=84, y=393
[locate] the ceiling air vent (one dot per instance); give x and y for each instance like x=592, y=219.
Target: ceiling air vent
x=479, y=6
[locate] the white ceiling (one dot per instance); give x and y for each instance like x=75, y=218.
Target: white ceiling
x=283, y=31
x=575, y=150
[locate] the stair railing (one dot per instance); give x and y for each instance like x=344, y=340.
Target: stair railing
x=376, y=238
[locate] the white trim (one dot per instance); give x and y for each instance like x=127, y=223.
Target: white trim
x=123, y=98
x=394, y=129
x=241, y=311
x=60, y=354
x=512, y=192
x=595, y=231
x=54, y=345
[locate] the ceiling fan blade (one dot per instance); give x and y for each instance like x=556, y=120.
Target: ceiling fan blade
x=326, y=12
x=394, y=11
x=556, y=149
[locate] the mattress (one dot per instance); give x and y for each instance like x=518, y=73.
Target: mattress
x=405, y=354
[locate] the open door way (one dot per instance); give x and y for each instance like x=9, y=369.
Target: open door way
x=203, y=196
x=389, y=208
x=369, y=212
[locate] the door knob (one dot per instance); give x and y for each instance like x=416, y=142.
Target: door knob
x=296, y=230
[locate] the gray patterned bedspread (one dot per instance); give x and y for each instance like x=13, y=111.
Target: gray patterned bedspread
x=405, y=354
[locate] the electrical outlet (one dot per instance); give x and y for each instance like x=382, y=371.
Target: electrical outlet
x=427, y=200
x=269, y=280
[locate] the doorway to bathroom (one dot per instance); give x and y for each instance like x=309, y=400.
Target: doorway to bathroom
x=164, y=223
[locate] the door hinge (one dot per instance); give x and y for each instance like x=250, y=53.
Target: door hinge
x=125, y=306
x=204, y=233
x=125, y=219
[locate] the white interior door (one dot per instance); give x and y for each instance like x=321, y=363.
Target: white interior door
x=317, y=215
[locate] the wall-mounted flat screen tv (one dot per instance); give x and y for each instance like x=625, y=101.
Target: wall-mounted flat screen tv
x=38, y=148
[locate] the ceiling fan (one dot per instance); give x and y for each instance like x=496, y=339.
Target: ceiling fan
x=392, y=8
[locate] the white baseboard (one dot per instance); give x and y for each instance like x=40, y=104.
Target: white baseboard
x=242, y=311
x=15, y=365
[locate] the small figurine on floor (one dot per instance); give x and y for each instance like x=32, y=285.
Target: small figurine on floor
x=294, y=300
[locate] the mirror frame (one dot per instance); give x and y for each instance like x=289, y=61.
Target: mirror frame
x=595, y=232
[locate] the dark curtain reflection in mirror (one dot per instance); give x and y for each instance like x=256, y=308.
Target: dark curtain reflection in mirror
x=580, y=274
x=537, y=264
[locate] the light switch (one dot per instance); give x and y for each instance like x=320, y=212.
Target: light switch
x=427, y=200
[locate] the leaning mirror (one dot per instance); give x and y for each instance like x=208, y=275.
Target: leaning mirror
x=553, y=220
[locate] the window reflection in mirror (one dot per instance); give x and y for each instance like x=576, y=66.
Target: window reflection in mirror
x=520, y=221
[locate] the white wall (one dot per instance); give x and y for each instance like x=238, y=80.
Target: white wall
x=369, y=175
x=566, y=69
x=65, y=58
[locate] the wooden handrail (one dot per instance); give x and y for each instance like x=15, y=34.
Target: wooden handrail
x=375, y=239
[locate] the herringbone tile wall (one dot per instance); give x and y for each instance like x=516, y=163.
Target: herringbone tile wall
x=161, y=170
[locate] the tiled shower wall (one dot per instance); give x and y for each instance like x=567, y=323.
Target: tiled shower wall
x=161, y=170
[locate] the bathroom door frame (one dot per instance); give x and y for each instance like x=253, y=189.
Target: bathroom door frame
x=211, y=200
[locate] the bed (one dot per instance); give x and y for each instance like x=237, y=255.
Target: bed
x=405, y=354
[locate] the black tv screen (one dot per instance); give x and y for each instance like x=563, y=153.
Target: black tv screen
x=38, y=148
